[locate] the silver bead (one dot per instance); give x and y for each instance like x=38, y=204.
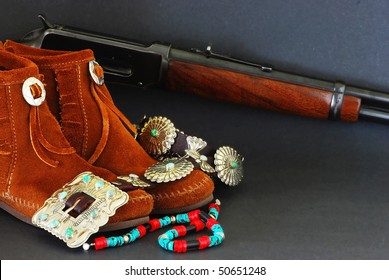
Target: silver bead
x=217, y=202
x=221, y=234
x=126, y=239
x=162, y=236
x=85, y=246
x=173, y=219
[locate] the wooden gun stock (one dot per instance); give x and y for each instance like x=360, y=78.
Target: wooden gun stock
x=256, y=91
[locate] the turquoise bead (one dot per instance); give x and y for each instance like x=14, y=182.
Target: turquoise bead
x=215, y=240
x=134, y=234
x=165, y=221
x=182, y=218
x=217, y=228
x=132, y=237
x=163, y=242
x=214, y=213
x=171, y=234
x=115, y=241
x=170, y=246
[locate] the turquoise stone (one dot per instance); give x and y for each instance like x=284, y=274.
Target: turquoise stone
x=43, y=217
x=93, y=214
x=62, y=195
x=54, y=223
x=169, y=166
x=69, y=233
x=99, y=184
x=234, y=164
x=110, y=193
x=154, y=133
x=86, y=179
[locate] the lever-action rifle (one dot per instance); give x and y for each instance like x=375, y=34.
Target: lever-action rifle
x=216, y=76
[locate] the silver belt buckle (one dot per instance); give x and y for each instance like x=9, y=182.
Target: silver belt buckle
x=55, y=216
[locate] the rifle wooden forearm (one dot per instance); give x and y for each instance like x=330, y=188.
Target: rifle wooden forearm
x=257, y=91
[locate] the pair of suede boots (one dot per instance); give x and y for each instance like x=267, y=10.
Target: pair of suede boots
x=69, y=125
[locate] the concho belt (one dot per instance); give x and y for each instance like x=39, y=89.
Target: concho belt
x=179, y=154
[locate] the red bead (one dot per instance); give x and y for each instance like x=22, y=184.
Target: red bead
x=211, y=222
x=194, y=215
x=100, y=243
x=155, y=224
x=214, y=205
x=198, y=224
x=180, y=246
x=181, y=230
x=204, y=242
x=142, y=230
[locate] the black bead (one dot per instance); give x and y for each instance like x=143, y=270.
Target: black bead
x=192, y=244
x=190, y=228
x=204, y=216
x=147, y=226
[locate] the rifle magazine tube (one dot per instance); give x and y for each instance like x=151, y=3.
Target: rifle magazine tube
x=374, y=114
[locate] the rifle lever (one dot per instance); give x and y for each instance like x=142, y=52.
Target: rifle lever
x=210, y=54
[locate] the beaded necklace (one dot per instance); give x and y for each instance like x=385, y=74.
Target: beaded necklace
x=198, y=220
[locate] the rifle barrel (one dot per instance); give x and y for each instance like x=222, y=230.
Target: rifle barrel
x=369, y=96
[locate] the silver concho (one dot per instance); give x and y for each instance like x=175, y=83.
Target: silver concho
x=169, y=170
x=195, y=145
x=229, y=165
x=157, y=136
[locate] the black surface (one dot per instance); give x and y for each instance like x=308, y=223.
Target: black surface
x=312, y=189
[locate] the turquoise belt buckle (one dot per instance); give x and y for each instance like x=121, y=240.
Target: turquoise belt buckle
x=56, y=217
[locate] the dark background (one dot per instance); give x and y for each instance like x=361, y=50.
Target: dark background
x=313, y=189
